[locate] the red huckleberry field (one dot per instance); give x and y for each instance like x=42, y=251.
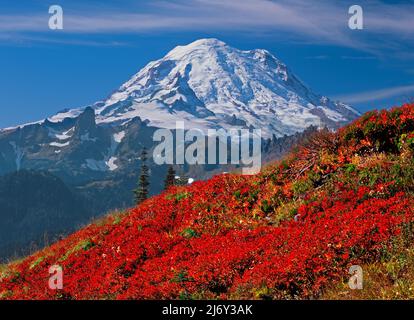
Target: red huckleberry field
x=291, y=232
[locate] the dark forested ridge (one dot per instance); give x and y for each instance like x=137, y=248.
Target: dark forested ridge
x=35, y=207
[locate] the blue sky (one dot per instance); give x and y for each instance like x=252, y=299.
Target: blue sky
x=103, y=43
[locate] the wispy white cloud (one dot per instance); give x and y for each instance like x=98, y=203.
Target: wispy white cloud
x=319, y=57
x=319, y=21
x=358, y=57
x=377, y=95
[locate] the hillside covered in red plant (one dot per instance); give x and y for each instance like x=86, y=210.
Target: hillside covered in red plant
x=291, y=232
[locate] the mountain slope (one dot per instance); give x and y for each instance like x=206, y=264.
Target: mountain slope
x=341, y=199
x=207, y=82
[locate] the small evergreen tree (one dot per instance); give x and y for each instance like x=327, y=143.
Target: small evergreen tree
x=170, y=179
x=141, y=192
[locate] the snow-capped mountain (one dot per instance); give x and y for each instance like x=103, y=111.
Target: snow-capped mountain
x=208, y=84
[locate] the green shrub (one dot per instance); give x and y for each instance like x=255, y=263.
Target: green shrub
x=300, y=187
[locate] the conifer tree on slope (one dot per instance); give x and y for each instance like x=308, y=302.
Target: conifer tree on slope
x=141, y=192
x=170, y=179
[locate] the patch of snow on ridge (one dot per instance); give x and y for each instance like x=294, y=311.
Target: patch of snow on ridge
x=102, y=165
x=59, y=145
x=21, y=126
x=111, y=163
x=119, y=136
x=59, y=117
x=332, y=114
x=19, y=154
x=61, y=136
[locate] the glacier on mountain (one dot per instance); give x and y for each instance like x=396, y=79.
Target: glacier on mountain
x=208, y=84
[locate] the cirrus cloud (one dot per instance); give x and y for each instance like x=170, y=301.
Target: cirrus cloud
x=377, y=95
x=319, y=21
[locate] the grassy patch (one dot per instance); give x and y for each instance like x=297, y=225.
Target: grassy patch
x=84, y=245
x=286, y=211
x=4, y=270
x=390, y=278
x=36, y=262
x=189, y=233
x=178, y=196
x=111, y=218
x=300, y=187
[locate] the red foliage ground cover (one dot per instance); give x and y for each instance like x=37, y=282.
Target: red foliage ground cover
x=220, y=238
